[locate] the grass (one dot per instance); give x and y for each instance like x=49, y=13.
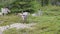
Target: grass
x=45, y=25
x=49, y=23
x=9, y=19
x=51, y=10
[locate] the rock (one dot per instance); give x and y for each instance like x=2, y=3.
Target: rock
x=34, y=14
x=1, y=32
x=17, y=26
x=4, y=28
x=1, y=14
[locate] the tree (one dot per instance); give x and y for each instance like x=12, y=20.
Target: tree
x=20, y=5
x=4, y=3
x=24, y=5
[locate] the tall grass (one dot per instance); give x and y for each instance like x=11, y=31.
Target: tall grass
x=49, y=23
x=45, y=25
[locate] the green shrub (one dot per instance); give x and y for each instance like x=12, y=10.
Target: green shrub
x=51, y=10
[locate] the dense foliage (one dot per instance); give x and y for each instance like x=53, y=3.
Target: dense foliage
x=20, y=5
x=26, y=5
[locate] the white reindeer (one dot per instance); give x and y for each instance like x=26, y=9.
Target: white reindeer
x=5, y=11
x=24, y=16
